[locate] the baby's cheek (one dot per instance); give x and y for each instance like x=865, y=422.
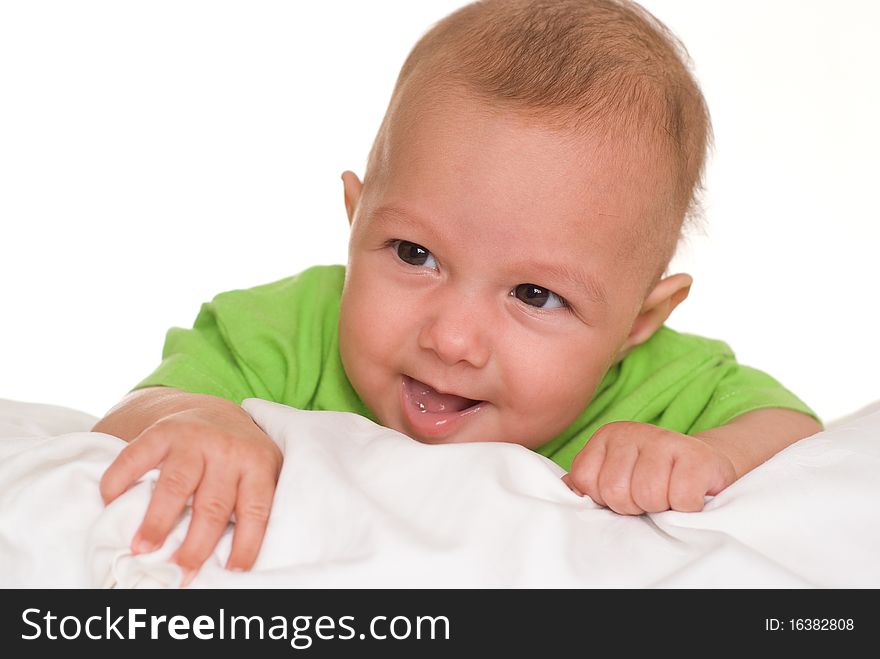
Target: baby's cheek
x=361, y=345
x=368, y=324
x=551, y=396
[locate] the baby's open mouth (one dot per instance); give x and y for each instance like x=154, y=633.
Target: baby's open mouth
x=432, y=416
x=427, y=400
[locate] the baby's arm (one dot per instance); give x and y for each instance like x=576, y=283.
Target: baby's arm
x=635, y=467
x=207, y=447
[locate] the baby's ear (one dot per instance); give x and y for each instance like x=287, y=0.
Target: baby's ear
x=351, y=190
x=667, y=294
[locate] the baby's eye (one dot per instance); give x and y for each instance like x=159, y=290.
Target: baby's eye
x=413, y=254
x=536, y=296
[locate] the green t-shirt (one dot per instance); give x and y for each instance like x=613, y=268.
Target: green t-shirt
x=280, y=342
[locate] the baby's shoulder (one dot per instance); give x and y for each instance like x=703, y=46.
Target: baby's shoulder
x=282, y=304
x=316, y=283
x=669, y=344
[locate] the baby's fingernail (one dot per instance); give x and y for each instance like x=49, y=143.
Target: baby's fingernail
x=188, y=576
x=141, y=546
x=233, y=568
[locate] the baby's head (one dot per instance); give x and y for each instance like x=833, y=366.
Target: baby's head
x=521, y=203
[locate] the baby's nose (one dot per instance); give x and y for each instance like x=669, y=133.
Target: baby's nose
x=458, y=333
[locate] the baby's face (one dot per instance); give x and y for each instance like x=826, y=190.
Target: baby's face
x=490, y=282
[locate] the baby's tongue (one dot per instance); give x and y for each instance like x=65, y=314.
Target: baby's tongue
x=428, y=400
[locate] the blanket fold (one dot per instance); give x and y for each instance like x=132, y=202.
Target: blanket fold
x=359, y=505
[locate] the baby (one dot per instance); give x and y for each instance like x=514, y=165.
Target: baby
x=506, y=281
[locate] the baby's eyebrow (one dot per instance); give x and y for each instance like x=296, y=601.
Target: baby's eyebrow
x=399, y=217
x=387, y=213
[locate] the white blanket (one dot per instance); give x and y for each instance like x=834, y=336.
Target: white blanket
x=359, y=505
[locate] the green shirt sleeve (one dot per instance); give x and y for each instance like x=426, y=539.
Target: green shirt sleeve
x=743, y=389
x=202, y=360
x=277, y=342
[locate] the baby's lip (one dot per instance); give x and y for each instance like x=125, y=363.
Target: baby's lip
x=445, y=392
x=434, y=416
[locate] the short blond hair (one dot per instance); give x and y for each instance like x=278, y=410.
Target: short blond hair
x=578, y=64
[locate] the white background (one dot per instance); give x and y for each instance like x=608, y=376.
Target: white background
x=153, y=154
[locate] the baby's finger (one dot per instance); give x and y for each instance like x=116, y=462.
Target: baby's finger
x=585, y=468
x=180, y=475
x=615, y=479
x=650, y=480
x=687, y=486
x=133, y=461
x=212, y=507
x=566, y=478
x=251, y=517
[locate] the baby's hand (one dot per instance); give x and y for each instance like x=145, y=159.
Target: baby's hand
x=225, y=460
x=636, y=467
